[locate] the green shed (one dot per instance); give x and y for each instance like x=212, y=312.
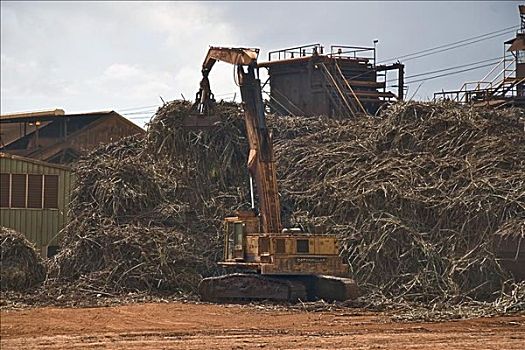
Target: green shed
x=34, y=198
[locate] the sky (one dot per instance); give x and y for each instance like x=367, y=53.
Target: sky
x=129, y=56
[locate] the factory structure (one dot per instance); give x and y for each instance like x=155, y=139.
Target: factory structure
x=340, y=82
x=504, y=84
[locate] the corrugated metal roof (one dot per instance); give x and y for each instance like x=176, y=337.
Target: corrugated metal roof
x=35, y=161
x=47, y=115
x=12, y=123
x=35, y=114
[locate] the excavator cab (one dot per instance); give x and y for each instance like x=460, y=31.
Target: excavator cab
x=234, y=240
x=236, y=229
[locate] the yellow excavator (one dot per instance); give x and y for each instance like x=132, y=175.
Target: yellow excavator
x=270, y=262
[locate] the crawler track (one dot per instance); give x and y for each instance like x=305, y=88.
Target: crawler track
x=246, y=286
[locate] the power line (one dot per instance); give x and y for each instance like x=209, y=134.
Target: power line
x=135, y=113
x=453, y=47
x=225, y=94
x=456, y=44
x=492, y=60
x=447, y=74
x=135, y=108
x=137, y=118
x=376, y=69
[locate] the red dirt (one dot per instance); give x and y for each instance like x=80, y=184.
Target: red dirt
x=182, y=326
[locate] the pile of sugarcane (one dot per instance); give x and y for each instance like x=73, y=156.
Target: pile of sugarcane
x=146, y=213
x=417, y=196
x=21, y=267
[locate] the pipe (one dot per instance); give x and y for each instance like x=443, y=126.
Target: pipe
x=251, y=192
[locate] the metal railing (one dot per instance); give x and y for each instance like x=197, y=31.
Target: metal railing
x=294, y=52
x=354, y=52
x=485, y=89
x=339, y=51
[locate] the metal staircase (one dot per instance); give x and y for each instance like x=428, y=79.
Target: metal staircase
x=350, y=96
x=507, y=86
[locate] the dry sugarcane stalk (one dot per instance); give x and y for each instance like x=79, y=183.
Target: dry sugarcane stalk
x=416, y=196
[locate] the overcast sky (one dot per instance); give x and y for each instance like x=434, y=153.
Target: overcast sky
x=123, y=56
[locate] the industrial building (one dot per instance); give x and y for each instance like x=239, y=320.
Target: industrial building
x=306, y=81
x=36, y=151
x=34, y=199
x=56, y=137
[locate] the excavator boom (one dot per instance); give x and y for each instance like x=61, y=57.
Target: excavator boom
x=261, y=163
x=236, y=56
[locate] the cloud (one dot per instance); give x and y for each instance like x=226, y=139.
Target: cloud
x=187, y=25
x=132, y=81
x=106, y=55
x=114, y=55
x=31, y=78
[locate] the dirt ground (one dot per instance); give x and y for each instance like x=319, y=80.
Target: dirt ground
x=183, y=326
